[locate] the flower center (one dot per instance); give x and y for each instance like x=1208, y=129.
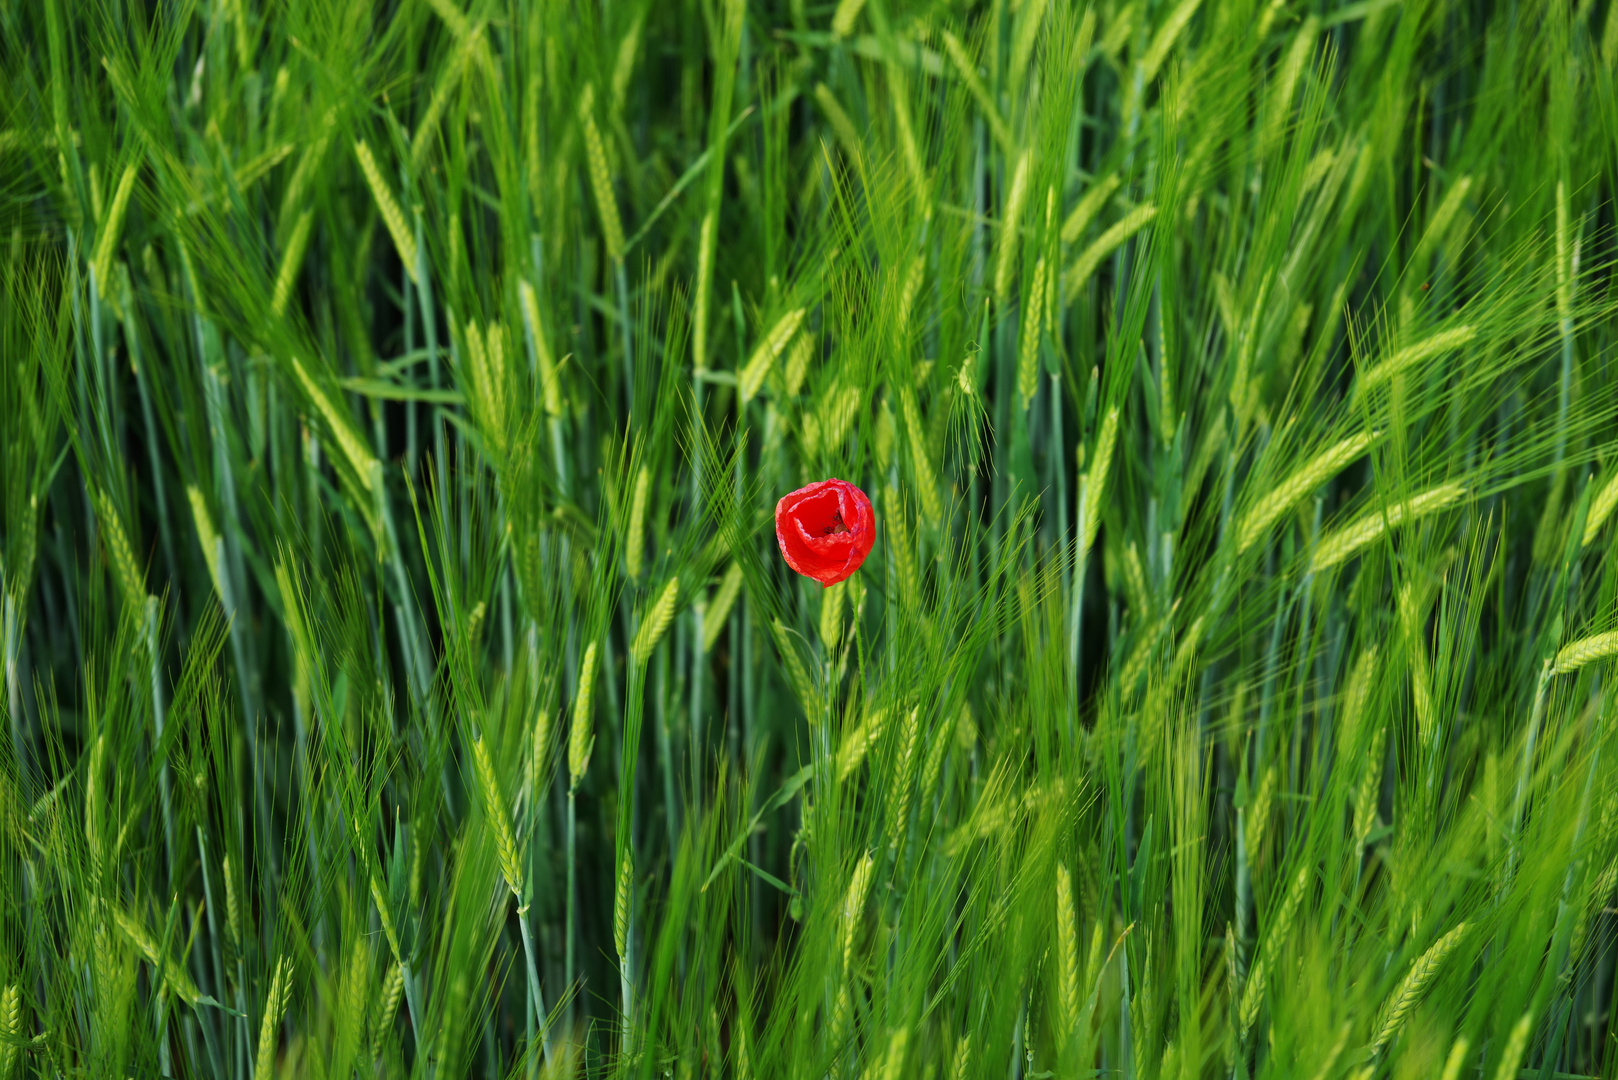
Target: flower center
x=836, y=525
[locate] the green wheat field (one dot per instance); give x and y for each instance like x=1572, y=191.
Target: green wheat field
x=400, y=674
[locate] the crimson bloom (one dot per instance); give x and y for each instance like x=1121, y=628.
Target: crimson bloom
x=825, y=530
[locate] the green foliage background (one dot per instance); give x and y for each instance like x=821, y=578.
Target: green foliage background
x=400, y=674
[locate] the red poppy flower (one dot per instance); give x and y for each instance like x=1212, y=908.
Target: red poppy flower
x=825, y=530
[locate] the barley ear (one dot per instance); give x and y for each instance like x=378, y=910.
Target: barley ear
x=622, y=897
x=387, y=1007
x=274, y=1007
x=1067, y=945
x=1601, y=508
x=854, y=906
x=595, y=152
x=718, y=609
x=635, y=541
x=1095, y=483
x=1313, y=473
x=1586, y=650
x=581, y=740
x=1028, y=350
x=963, y=1057
x=1442, y=342
x=291, y=260
x=1412, y=987
x=385, y=915
x=1010, y=225
x=1516, y=1043
x=768, y=350
x=404, y=238
x=495, y=807
x=1456, y=1059
x=831, y=615
x=111, y=226
x=656, y=622
x=904, y=779
x=10, y=1030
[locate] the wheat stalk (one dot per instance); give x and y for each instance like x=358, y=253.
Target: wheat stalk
x=1412, y=622
x=1313, y=473
x=1413, y=986
x=963, y=1057
x=1258, y=817
x=233, y=907
x=857, y=742
x=1349, y=539
x=797, y=675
